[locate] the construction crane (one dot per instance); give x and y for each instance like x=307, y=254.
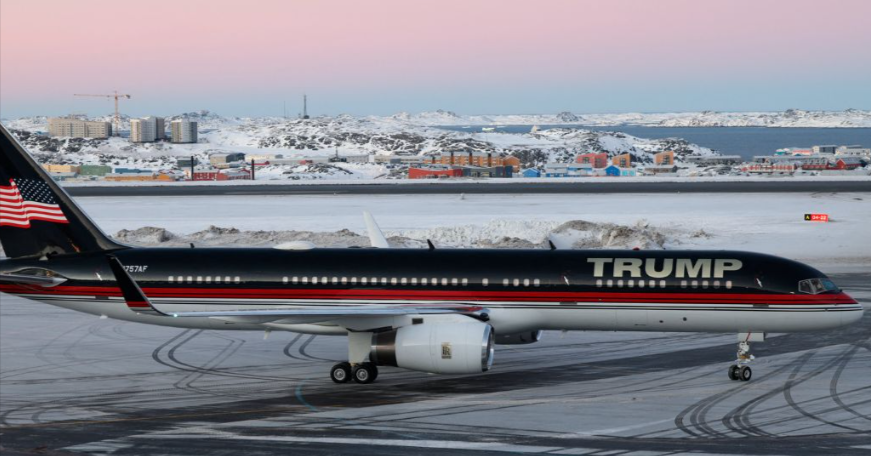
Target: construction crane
x=116, y=96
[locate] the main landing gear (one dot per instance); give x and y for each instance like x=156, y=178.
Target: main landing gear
x=740, y=370
x=361, y=373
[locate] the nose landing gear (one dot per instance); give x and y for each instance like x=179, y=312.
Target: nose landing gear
x=740, y=370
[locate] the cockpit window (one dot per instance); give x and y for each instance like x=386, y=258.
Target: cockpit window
x=817, y=286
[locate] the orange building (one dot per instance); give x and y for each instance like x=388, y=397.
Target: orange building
x=622, y=161
x=664, y=158
x=482, y=159
x=597, y=160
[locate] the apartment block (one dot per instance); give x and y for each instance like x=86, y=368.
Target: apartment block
x=71, y=127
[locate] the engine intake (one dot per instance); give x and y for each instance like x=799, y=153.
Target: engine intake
x=438, y=348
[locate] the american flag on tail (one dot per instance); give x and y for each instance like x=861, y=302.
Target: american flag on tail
x=28, y=199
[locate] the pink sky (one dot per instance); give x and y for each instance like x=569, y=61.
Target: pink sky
x=471, y=56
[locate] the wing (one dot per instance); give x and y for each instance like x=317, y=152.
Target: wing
x=139, y=303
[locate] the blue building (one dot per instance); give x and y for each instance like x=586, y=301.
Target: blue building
x=616, y=171
x=531, y=172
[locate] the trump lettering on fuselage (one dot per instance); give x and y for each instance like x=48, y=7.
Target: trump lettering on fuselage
x=699, y=268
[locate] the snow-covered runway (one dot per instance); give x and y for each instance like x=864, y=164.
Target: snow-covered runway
x=765, y=222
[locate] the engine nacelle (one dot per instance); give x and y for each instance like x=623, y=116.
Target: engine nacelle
x=438, y=348
x=523, y=338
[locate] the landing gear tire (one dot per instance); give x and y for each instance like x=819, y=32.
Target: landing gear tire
x=744, y=373
x=734, y=372
x=341, y=373
x=365, y=373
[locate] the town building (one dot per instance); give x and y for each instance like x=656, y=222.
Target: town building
x=147, y=129
x=483, y=171
x=471, y=158
x=659, y=169
x=227, y=159
x=596, y=160
x=62, y=168
x=72, y=127
x=829, y=149
x=401, y=159
x=434, y=173
x=769, y=168
x=622, y=161
x=713, y=160
x=531, y=172
x=215, y=174
x=94, y=170
x=619, y=171
x=183, y=131
x=853, y=151
x=568, y=169
x=664, y=159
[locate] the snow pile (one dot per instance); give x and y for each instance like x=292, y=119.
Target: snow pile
x=576, y=234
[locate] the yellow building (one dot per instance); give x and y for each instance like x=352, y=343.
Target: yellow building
x=62, y=168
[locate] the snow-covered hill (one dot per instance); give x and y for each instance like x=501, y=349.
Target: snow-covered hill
x=850, y=118
x=346, y=135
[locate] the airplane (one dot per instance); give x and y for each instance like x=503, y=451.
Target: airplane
x=429, y=309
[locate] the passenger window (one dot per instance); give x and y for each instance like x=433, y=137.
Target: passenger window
x=171, y=278
x=423, y=281
x=190, y=279
x=414, y=280
x=683, y=283
x=641, y=283
x=525, y=282
x=335, y=280
x=728, y=284
x=465, y=282
x=609, y=283
x=716, y=284
x=363, y=280
x=209, y=279
x=444, y=282
x=304, y=279
x=315, y=280
x=227, y=279
x=630, y=283
x=485, y=282
x=324, y=280
x=237, y=279
x=454, y=282
x=393, y=281
x=620, y=283
x=384, y=281
x=344, y=280
x=217, y=279
x=516, y=282
x=295, y=280
x=404, y=281
x=536, y=282
x=695, y=284
x=353, y=281
x=598, y=283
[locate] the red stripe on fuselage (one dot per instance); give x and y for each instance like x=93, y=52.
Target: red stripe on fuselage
x=447, y=295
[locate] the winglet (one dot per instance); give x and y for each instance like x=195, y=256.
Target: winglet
x=136, y=299
x=376, y=237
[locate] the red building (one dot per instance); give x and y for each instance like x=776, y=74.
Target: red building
x=599, y=160
x=434, y=173
x=221, y=174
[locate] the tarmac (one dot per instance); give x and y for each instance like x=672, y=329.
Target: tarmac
x=483, y=187
x=73, y=383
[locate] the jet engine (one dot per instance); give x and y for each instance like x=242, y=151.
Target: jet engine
x=523, y=338
x=439, y=348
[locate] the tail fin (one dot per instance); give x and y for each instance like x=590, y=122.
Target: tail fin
x=37, y=217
